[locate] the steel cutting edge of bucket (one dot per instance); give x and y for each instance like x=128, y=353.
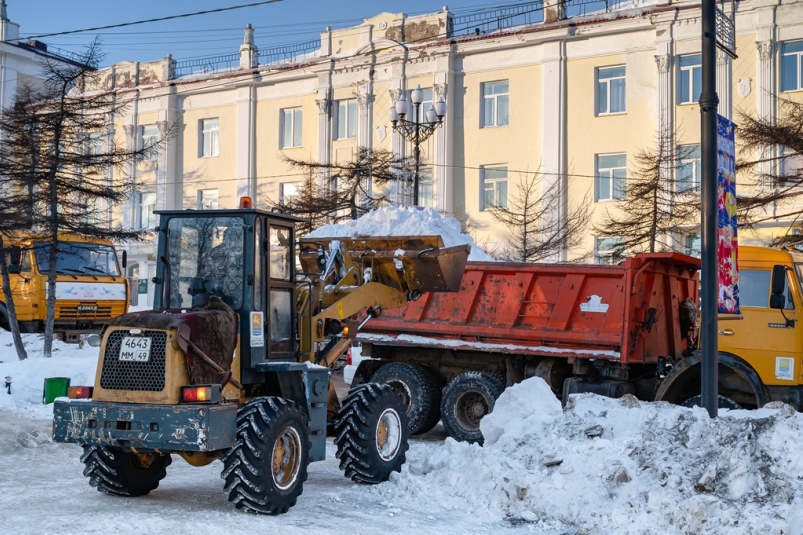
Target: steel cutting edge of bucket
x=406, y=263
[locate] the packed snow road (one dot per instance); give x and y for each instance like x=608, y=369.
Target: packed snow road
x=43, y=491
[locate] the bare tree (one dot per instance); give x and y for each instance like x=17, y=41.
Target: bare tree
x=770, y=184
x=61, y=165
x=658, y=203
x=536, y=230
x=348, y=190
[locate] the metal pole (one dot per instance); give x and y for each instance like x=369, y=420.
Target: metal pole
x=417, y=127
x=709, y=279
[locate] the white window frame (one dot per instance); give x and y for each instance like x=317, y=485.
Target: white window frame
x=210, y=130
x=144, y=222
x=688, y=244
x=494, y=98
x=798, y=55
x=283, y=194
x=495, y=182
x=95, y=143
x=684, y=159
x=600, y=254
x=425, y=104
x=201, y=195
x=609, y=176
x=292, y=121
x=348, y=104
x=690, y=69
x=607, y=83
x=426, y=192
x=150, y=134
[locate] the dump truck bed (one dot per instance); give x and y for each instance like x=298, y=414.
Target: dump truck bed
x=630, y=312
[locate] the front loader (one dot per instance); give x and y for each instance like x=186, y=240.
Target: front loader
x=233, y=362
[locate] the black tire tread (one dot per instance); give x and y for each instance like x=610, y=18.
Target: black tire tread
x=493, y=385
x=354, y=433
x=425, y=390
x=246, y=478
x=111, y=471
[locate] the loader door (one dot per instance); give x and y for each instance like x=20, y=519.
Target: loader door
x=281, y=314
x=259, y=300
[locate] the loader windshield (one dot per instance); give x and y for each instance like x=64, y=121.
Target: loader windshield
x=210, y=248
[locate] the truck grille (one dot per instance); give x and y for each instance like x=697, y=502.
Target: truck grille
x=103, y=312
x=123, y=375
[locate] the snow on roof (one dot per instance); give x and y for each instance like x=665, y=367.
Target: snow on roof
x=404, y=221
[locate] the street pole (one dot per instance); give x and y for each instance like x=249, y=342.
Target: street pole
x=417, y=156
x=709, y=279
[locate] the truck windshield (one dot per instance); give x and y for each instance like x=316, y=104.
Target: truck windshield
x=77, y=258
x=210, y=248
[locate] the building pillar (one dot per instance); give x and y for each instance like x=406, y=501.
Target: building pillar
x=553, y=137
x=724, y=84
x=131, y=141
x=365, y=133
x=442, y=173
x=765, y=101
x=164, y=191
x=398, y=192
x=246, y=143
x=665, y=126
x=324, y=102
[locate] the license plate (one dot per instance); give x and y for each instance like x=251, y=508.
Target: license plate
x=135, y=349
x=87, y=308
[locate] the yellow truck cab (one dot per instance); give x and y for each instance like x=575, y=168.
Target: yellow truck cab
x=90, y=286
x=768, y=336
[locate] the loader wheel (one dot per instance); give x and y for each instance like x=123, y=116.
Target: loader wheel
x=722, y=403
x=419, y=387
x=266, y=468
x=466, y=400
x=117, y=472
x=372, y=431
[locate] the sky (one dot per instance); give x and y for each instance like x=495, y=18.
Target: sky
x=284, y=22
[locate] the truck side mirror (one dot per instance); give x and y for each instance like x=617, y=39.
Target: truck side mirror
x=125, y=259
x=14, y=269
x=778, y=280
x=776, y=301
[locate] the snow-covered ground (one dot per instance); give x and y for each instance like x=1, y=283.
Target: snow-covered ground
x=598, y=466
x=405, y=221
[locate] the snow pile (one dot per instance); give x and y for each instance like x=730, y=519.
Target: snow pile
x=404, y=221
x=618, y=467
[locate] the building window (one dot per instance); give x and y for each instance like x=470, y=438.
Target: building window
x=210, y=137
x=207, y=199
x=608, y=250
x=688, y=177
x=287, y=190
x=147, y=204
x=494, y=188
x=425, y=188
x=92, y=216
x=791, y=71
x=791, y=166
x=346, y=119
x=149, y=136
x=95, y=143
x=495, y=104
x=691, y=78
x=422, y=109
x=291, y=128
x=692, y=245
x=611, y=177
x=611, y=90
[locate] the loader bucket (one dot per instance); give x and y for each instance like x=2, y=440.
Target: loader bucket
x=406, y=263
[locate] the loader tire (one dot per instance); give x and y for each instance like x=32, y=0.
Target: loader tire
x=722, y=403
x=419, y=387
x=372, y=432
x=466, y=400
x=114, y=471
x=266, y=468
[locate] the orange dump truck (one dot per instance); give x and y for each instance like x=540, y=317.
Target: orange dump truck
x=611, y=330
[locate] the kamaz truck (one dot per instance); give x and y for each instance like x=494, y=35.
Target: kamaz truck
x=232, y=363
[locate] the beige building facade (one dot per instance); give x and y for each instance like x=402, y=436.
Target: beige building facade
x=571, y=92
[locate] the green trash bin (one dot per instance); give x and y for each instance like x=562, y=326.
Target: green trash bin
x=55, y=387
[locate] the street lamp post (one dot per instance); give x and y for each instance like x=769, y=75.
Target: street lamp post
x=414, y=131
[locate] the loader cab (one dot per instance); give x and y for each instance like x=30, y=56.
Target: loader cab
x=243, y=256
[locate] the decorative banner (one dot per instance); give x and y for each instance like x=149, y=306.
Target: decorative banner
x=727, y=243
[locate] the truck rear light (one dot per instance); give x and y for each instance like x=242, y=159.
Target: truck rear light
x=79, y=392
x=200, y=394
x=348, y=358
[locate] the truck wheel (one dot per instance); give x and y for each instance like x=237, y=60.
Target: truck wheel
x=420, y=389
x=266, y=468
x=722, y=403
x=372, y=432
x=466, y=399
x=117, y=472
